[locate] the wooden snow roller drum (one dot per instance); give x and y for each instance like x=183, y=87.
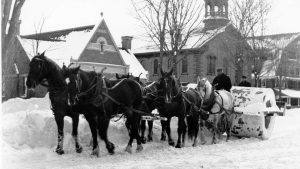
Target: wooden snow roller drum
x=255, y=110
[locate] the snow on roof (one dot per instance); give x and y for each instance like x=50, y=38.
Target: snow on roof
x=69, y=45
x=270, y=66
x=197, y=40
x=135, y=67
x=278, y=41
x=290, y=92
x=276, y=45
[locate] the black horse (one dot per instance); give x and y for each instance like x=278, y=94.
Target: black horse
x=149, y=104
x=89, y=91
x=180, y=104
x=42, y=68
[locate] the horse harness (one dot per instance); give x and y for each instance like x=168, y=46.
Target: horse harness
x=102, y=95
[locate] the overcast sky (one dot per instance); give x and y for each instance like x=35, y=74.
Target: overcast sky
x=119, y=16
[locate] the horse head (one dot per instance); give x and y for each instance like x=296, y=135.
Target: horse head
x=204, y=87
x=169, y=86
x=37, y=70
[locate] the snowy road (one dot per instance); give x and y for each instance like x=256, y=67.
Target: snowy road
x=29, y=139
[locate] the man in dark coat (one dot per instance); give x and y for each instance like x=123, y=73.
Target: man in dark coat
x=222, y=81
x=244, y=82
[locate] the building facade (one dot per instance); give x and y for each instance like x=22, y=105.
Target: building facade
x=211, y=47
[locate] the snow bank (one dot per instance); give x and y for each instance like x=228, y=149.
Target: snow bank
x=29, y=139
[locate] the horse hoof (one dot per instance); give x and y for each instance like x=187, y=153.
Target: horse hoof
x=143, y=140
x=178, y=146
x=128, y=149
x=59, y=151
x=79, y=149
x=95, y=152
x=163, y=138
x=111, y=148
x=203, y=142
x=195, y=145
x=149, y=139
x=139, y=148
x=171, y=143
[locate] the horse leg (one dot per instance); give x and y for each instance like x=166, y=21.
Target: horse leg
x=143, y=128
x=168, y=131
x=163, y=130
x=93, y=126
x=130, y=127
x=103, y=124
x=229, y=119
x=75, y=120
x=139, y=147
x=195, y=143
x=150, y=128
x=180, y=131
x=202, y=135
x=59, y=118
x=215, y=128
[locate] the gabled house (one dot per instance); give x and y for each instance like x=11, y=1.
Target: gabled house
x=92, y=47
x=283, y=63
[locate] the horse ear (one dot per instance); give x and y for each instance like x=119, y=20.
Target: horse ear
x=117, y=76
x=43, y=54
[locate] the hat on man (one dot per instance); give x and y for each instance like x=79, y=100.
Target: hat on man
x=219, y=70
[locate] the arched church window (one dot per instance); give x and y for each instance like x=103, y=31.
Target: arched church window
x=184, y=65
x=155, y=67
x=211, y=65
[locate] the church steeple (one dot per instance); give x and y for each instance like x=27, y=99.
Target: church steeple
x=216, y=14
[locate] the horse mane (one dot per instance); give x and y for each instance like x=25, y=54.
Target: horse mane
x=208, y=101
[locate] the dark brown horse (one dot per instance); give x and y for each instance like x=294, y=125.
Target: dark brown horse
x=149, y=103
x=89, y=90
x=182, y=104
x=42, y=68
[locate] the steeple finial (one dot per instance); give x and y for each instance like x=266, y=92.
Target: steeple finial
x=101, y=14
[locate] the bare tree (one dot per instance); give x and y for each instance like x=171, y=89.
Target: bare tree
x=10, y=25
x=249, y=17
x=169, y=23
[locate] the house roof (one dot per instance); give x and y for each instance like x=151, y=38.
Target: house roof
x=197, y=40
x=135, y=67
x=276, y=45
x=62, y=45
x=59, y=45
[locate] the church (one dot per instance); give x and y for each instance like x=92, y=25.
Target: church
x=215, y=48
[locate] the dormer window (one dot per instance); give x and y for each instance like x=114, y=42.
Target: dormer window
x=102, y=42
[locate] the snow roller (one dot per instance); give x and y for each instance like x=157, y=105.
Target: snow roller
x=255, y=110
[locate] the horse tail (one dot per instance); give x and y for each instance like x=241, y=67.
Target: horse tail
x=193, y=125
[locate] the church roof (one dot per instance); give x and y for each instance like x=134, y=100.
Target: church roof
x=197, y=40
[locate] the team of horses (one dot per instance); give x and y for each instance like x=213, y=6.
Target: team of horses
x=73, y=91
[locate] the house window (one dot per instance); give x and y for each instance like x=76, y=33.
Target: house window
x=102, y=42
x=297, y=71
x=184, y=65
x=211, y=65
x=225, y=66
x=101, y=47
x=292, y=70
x=155, y=67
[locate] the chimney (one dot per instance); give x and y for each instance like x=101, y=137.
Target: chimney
x=126, y=42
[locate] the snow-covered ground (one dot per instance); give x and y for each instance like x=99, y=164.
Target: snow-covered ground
x=29, y=140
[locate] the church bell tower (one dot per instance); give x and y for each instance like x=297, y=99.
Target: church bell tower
x=216, y=14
